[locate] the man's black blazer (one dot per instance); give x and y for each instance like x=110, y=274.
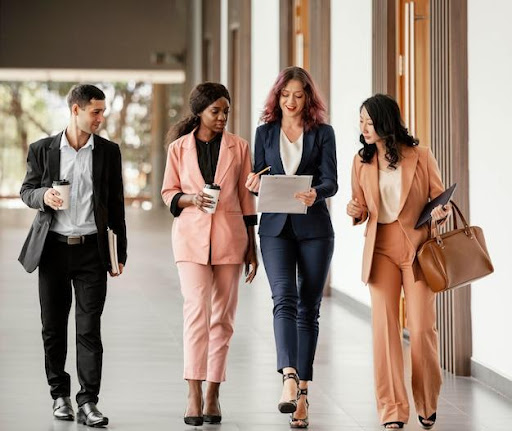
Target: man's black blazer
x=43, y=167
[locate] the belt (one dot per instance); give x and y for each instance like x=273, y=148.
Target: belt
x=74, y=239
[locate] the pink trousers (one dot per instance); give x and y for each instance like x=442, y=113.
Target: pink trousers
x=391, y=270
x=210, y=296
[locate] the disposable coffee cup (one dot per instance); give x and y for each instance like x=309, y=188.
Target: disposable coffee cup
x=63, y=187
x=213, y=190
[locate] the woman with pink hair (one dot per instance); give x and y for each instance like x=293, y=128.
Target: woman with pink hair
x=296, y=248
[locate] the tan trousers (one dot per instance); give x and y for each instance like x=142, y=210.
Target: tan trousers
x=210, y=296
x=392, y=270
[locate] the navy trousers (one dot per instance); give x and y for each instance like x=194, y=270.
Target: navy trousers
x=296, y=270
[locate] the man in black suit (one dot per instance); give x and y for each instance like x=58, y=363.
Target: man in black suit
x=70, y=246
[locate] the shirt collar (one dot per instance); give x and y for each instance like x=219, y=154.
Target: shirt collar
x=65, y=143
x=215, y=140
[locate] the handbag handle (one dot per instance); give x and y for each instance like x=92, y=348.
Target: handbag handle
x=434, y=231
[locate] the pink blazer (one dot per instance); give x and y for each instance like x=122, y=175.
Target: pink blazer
x=194, y=232
x=421, y=181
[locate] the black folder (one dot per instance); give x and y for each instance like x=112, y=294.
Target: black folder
x=442, y=199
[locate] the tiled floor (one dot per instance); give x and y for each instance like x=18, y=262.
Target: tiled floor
x=142, y=385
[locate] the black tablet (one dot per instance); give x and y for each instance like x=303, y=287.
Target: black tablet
x=442, y=199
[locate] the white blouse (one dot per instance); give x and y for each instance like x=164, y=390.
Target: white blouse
x=390, y=187
x=291, y=153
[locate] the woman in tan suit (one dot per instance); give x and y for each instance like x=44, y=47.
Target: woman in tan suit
x=392, y=180
x=209, y=249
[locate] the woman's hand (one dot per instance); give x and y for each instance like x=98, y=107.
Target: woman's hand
x=251, y=264
x=307, y=198
x=355, y=209
x=253, y=182
x=200, y=200
x=440, y=214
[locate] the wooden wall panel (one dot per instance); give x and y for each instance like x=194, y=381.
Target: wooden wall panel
x=384, y=57
x=449, y=130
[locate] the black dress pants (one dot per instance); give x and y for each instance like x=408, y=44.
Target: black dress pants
x=61, y=267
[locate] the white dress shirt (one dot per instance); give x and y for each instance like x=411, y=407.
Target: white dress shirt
x=291, y=153
x=76, y=167
x=390, y=186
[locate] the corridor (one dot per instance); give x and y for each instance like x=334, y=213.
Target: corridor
x=142, y=387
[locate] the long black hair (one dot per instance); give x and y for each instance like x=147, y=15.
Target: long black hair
x=202, y=96
x=388, y=124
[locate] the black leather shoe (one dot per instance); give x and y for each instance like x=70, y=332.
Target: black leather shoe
x=63, y=410
x=88, y=414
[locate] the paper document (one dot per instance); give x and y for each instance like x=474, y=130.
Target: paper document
x=277, y=191
x=112, y=249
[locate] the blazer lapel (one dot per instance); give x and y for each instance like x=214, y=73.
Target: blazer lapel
x=54, y=158
x=225, y=157
x=408, y=163
x=307, y=146
x=190, y=161
x=273, y=144
x=98, y=159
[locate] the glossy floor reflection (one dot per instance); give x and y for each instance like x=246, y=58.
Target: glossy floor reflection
x=143, y=388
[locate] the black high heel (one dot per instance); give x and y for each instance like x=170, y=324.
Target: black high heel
x=425, y=426
x=289, y=406
x=195, y=421
x=399, y=425
x=213, y=419
x=299, y=422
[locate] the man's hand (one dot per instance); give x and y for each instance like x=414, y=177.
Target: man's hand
x=115, y=274
x=51, y=199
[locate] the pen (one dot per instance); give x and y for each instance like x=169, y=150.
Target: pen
x=263, y=170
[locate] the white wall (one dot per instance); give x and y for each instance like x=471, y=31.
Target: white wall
x=351, y=83
x=265, y=54
x=490, y=156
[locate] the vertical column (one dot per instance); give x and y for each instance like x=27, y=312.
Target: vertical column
x=224, y=37
x=320, y=43
x=384, y=47
x=197, y=41
x=159, y=126
x=194, y=56
x=449, y=131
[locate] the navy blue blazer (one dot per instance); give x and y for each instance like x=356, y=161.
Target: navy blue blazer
x=318, y=159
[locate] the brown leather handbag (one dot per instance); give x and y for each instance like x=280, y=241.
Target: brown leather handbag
x=455, y=258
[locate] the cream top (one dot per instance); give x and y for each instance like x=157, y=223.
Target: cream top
x=390, y=187
x=291, y=153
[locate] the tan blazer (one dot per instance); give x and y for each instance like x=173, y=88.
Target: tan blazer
x=193, y=232
x=421, y=181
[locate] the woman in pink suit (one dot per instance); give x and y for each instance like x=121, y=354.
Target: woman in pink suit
x=209, y=249
x=392, y=180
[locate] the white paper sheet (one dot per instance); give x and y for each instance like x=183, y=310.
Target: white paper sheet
x=277, y=191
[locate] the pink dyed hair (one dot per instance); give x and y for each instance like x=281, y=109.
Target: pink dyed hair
x=315, y=111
